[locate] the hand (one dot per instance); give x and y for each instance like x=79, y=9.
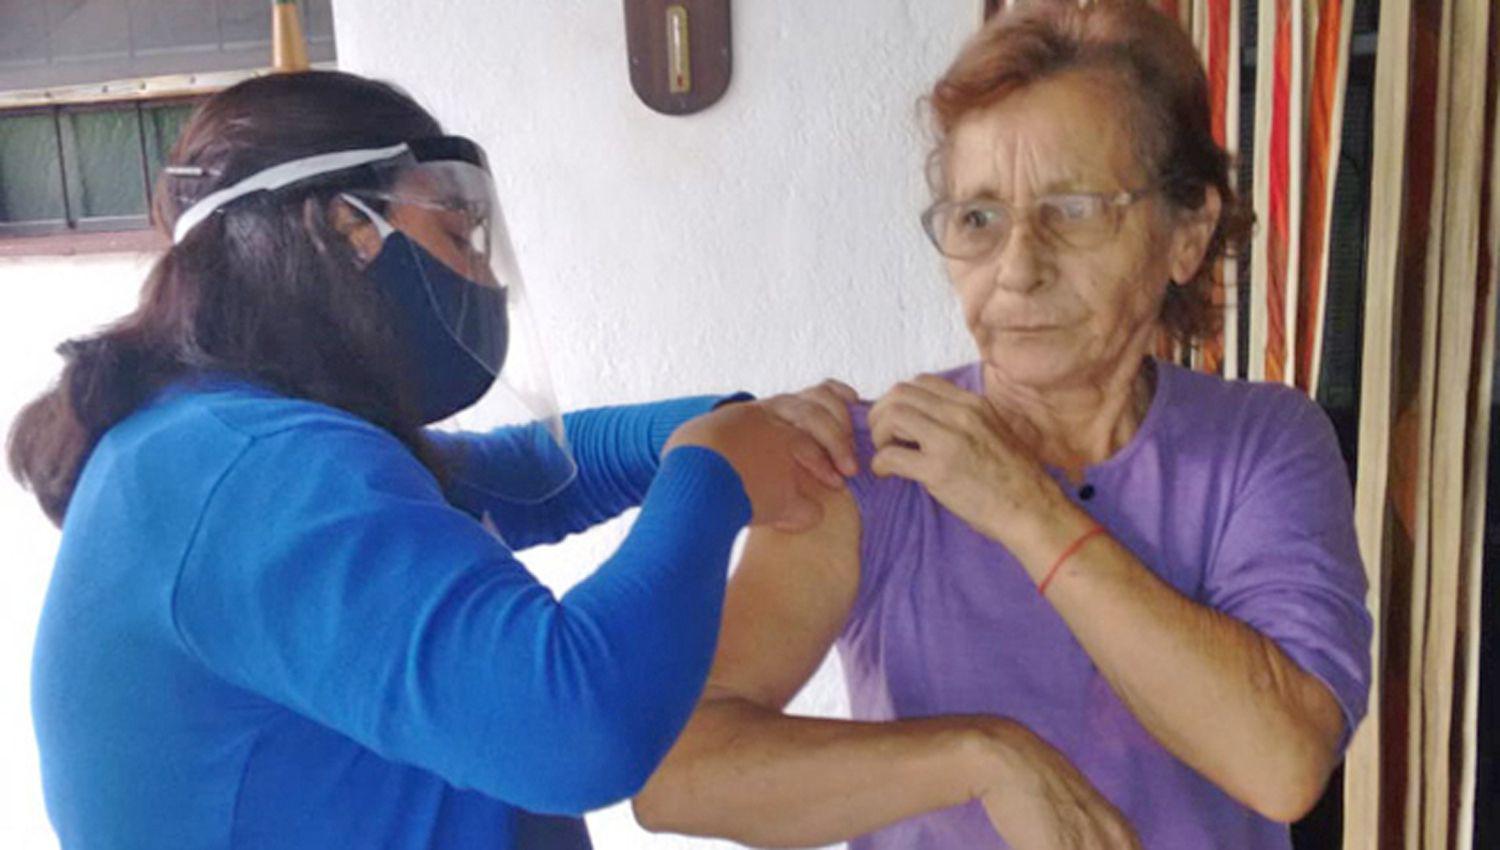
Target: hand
x=823, y=413
x=770, y=457
x=958, y=448
x=1037, y=800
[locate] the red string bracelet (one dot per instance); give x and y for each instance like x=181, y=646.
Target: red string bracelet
x=1067, y=553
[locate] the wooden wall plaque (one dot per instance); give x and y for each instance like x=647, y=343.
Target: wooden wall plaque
x=680, y=55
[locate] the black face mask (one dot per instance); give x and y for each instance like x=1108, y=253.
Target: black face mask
x=452, y=361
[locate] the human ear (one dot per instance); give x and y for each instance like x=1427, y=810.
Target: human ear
x=353, y=225
x=1192, y=235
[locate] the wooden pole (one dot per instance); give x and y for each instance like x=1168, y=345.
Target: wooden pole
x=1383, y=290
x=1457, y=510
x=288, y=45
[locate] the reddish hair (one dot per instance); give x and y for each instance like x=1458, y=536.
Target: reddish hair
x=1150, y=59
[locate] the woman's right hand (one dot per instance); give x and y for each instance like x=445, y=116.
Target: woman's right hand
x=772, y=458
x=1037, y=800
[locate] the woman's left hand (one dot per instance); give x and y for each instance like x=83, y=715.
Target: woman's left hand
x=962, y=452
x=822, y=412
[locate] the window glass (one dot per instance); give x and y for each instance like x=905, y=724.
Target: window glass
x=105, y=174
x=30, y=179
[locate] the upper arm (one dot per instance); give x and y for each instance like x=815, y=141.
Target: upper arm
x=1287, y=564
x=785, y=606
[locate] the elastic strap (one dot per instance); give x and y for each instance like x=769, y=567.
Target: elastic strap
x=279, y=177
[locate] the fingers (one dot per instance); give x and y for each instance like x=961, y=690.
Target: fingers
x=899, y=461
x=826, y=418
x=843, y=391
x=823, y=412
x=939, y=400
x=894, y=420
x=812, y=456
x=1108, y=827
x=944, y=389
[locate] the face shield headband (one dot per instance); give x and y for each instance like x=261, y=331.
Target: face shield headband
x=446, y=263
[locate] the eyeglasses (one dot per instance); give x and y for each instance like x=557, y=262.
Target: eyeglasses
x=968, y=230
x=466, y=222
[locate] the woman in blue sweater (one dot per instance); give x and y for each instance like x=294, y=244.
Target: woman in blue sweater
x=285, y=612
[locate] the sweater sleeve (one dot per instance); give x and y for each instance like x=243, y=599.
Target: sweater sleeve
x=616, y=449
x=329, y=575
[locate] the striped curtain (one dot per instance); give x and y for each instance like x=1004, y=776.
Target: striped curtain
x=1429, y=342
x=1424, y=421
x=1302, y=61
x=1433, y=262
x=1304, y=48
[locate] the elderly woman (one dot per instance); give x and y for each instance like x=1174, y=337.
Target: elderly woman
x=1086, y=597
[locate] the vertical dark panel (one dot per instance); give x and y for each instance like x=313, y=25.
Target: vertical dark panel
x=30, y=179
x=1487, y=755
x=1342, y=336
x=1245, y=170
x=102, y=150
x=1487, y=769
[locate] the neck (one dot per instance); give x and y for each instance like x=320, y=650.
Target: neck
x=1080, y=423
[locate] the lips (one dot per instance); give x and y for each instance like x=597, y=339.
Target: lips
x=1007, y=316
x=1028, y=329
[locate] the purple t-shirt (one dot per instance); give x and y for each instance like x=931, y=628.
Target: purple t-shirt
x=1233, y=493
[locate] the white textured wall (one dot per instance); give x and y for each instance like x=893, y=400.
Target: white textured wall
x=763, y=244
x=42, y=302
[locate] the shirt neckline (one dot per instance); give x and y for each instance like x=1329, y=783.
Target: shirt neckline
x=1166, y=376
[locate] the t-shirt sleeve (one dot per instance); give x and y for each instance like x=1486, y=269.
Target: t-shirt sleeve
x=328, y=575
x=1287, y=561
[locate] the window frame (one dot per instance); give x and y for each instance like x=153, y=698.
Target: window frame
x=130, y=234
x=100, y=237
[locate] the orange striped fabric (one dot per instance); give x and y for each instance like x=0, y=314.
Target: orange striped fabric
x=1278, y=162
x=1322, y=141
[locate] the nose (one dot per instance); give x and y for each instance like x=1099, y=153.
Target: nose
x=1022, y=264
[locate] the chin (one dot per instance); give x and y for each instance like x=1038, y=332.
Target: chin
x=1036, y=360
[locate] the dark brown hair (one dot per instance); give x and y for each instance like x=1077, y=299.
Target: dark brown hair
x=267, y=290
x=1151, y=60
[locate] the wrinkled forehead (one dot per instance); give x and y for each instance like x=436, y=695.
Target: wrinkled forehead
x=1070, y=133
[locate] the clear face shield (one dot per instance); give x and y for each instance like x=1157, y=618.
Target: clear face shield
x=435, y=240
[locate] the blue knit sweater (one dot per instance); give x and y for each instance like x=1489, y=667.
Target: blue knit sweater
x=268, y=627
